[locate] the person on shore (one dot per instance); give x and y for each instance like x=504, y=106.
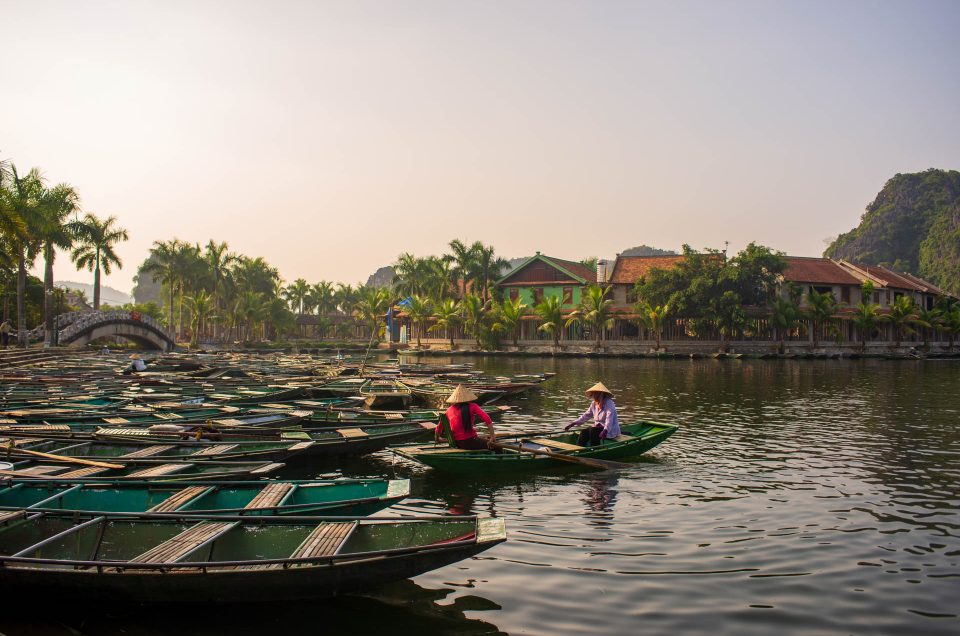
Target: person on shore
x=5, y=333
x=136, y=365
x=603, y=415
x=461, y=416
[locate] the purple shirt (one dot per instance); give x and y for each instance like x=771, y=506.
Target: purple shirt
x=605, y=416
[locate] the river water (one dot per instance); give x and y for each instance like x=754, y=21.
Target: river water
x=813, y=497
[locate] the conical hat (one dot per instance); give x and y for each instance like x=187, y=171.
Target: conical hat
x=461, y=394
x=135, y=356
x=599, y=388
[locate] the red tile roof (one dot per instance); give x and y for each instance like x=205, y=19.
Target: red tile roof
x=895, y=280
x=579, y=269
x=803, y=269
x=629, y=269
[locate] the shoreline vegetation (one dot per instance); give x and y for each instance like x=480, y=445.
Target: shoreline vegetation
x=703, y=302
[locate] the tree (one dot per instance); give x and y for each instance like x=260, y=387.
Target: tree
x=296, y=293
x=219, y=259
x=162, y=266
x=594, y=311
x=652, y=318
x=54, y=230
x=726, y=312
x=475, y=318
x=372, y=306
x=408, y=276
x=866, y=317
x=22, y=197
x=447, y=316
x=785, y=316
x=932, y=320
x=249, y=311
x=551, y=317
x=951, y=323
x=463, y=259
x=96, y=239
x=510, y=316
x=821, y=309
x=488, y=267
x=903, y=315
x=201, y=307
x=419, y=309
x=322, y=298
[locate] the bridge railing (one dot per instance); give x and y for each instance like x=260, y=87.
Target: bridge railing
x=90, y=319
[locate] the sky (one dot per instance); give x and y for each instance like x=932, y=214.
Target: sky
x=329, y=137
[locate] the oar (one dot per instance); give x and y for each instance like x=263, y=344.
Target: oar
x=573, y=459
x=68, y=460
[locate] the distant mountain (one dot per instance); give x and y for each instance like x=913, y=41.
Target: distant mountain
x=108, y=295
x=913, y=225
x=383, y=277
x=646, y=250
x=145, y=290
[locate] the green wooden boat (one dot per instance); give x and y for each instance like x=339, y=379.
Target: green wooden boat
x=634, y=440
x=314, y=497
x=111, y=559
x=378, y=394
x=143, y=470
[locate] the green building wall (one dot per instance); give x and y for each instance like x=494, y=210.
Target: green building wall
x=526, y=294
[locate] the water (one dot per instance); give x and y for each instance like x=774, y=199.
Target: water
x=798, y=496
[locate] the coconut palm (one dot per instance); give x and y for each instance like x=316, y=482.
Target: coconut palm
x=322, y=298
x=932, y=319
x=419, y=309
x=950, y=323
x=163, y=267
x=372, y=306
x=249, y=311
x=296, y=293
x=408, y=275
x=22, y=195
x=201, y=307
x=785, y=316
x=866, y=317
x=652, y=318
x=821, y=309
x=551, y=317
x=463, y=261
x=219, y=259
x=488, y=267
x=96, y=239
x=594, y=311
x=510, y=316
x=903, y=317
x=475, y=314
x=447, y=316
x=54, y=230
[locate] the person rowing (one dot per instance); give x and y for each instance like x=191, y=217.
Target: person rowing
x=137, y=365
x=602, y=412
x=461, y=416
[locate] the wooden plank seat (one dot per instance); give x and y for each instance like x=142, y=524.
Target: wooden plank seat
x=352, y=432
x=266, y=468
x=116, y=420
x=158, y=471
x=130, y=432
x=299, y=446
x=270, y=496
x=623, y=437
x=273, y=405
x=552, y=443
x=88, y=471
x=217, y=449
x=190, y=540
x=149, y=451
x=37, y=428
x=39, y=471
x=7, y=516
x=229, y=422
x=394, y=416
x=179, y=499
x=168, y=416
x=325, y=540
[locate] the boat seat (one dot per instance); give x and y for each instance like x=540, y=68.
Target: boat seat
x=552, y=443
x=394, y=416
x=185, y=543
x=270, y=496
x=266, y=468
x=158, y=471
x=11, y=515
x=229, y=422
x=352, y=432
x=217, y=449
x=131, y=432
x=40, y=470
x=88, y=471
x=180, y=498
x=299, y=446
x=273, y=405
x=623, y=438
x=326, y=540
x=168, y=416
x=149, y=451
x=116, y=420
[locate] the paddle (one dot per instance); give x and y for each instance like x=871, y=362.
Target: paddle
x=591, y=462
x=68, y=460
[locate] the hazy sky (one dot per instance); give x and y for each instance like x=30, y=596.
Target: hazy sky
x=329, y=137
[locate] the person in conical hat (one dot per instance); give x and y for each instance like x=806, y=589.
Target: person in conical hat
x=136, y=365
x=602, y=416
x=461, y=416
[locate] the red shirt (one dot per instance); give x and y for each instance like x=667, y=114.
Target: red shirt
x=460, y=431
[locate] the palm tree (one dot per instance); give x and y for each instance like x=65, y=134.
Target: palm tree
x=903, y=314
x=322, y=326
x=322, y=297
x=296, y=293
x=249, y=311
x=595, y=311
x=932, y=319
x=785, y=317
x=464, y=260
x=372, y=306
x=345, y=297
x=822, y=308
x=866, y=317
x=201, y=307
x=162, y=265
x=653, y=318
x=408, y=276
x=419, y=309
x=22, y=196
x=510, y=316
x=219, y=260
x=54, y=230
x=487, y=266
x=951, y=323
x=96, y=239
x=447, y=315
x=475, y=312
x=551, y=317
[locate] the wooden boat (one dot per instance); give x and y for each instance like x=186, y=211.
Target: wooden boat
x=435, y=394
x=341, y=387
x=138, y=470
x=314, y=497
x=271, y=420
x=634, y=440
x=111, y=559
x=379, y=394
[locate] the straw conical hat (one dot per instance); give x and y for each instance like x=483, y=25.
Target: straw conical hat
x=461, y=394
x=599, y=388
x=135, y=356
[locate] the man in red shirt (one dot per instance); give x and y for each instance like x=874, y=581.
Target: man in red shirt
x=462, y=415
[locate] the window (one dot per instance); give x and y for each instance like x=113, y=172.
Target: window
x=845, y=294
x=876, y=298
x=822, y=289
x=538, y=295
x=568, y=295
x=514, y=293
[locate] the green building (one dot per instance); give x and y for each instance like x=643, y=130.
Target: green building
x=540, y=276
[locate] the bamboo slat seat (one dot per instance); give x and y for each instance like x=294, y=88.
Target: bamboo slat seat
x=272, y=405
x=266, y=468
x=217, y=449
x=168, y=416
x=87, y=471
x=229, y=422
x=158, y=471
x=394, y=416
x=270, y=496
x=182, y=545
x=40, y=470
x=131, y=432
x=552, y=443
x=11, y=515
x=325, y=540
x=299, y=446
x=149, y=451
x=179, y=498
x=116, y=420
x=623, y=437
x=352, y=432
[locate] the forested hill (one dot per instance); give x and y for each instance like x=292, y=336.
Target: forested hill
x=913, y=225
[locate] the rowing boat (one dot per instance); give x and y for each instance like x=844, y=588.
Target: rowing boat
x=112, y=559
x=313, y=497
x=138, y=470
x=634, y=440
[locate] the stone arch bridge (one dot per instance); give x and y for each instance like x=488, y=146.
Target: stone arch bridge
x=76, y=329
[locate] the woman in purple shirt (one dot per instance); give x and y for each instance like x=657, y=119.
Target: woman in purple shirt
x=603, y=413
